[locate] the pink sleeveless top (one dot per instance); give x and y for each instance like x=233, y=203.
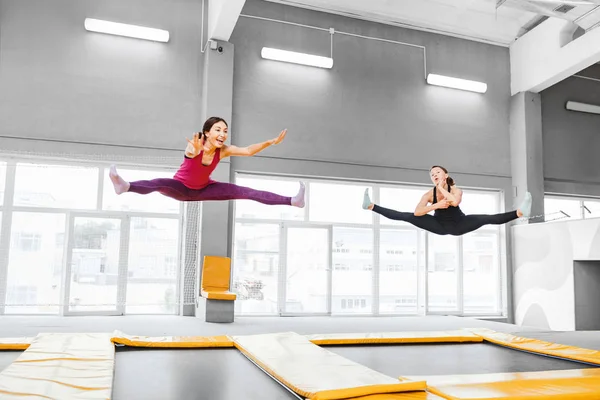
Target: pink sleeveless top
x=195, y=175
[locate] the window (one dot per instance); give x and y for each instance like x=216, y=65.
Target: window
x=2, y=181
x=398, y=272
x=334, y=202
x=56, y=186
x=556, y=208
x=152, y=273
x=442, y=277
x=256, y=268
x=94, y=265
x=35, y=263
x=353, y=305
x=476, y=202
x=306, y=266
x=591, y=208
x=27, y=241
x=253, y=209
x=44, y=195
x=400, y=199
x=352, y=274
x=481, y=273
x=283, y=258
x=152, y=202
x=563, y=208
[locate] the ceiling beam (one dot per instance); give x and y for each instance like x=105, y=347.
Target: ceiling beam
x=547, y=54
x=534, y=7
x=222, y=18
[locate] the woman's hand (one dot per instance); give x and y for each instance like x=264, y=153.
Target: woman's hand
x=195, y=145
x=442, y=204
x=279, y=138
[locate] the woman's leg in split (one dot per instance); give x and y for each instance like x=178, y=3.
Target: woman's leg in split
x=215, y=191
x=230, y=191
x=165, y=186
x=470, y=223
x=426, y=222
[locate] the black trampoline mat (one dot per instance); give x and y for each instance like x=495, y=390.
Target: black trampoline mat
x=195, y=374
x=449, y=359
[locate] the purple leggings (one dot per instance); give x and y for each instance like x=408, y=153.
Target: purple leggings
x=214, y=191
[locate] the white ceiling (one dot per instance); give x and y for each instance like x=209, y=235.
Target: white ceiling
x=487, y=21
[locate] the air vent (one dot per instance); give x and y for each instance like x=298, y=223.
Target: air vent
x=564, y=8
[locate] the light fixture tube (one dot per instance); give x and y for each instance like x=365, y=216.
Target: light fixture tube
x=296, y=58
x=582, y=107
x=134, y=31
x=456, y=83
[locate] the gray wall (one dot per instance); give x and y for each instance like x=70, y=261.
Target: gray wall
x=586, y=276
x=571, y=139
x=60, y=82
x=373, y=107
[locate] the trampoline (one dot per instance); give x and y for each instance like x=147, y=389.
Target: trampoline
x=215, y=374
x=458, y=364
x=450, y=359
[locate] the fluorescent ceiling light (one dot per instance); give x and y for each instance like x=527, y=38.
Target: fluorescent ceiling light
x=296, y=58
x=582, y=107
x=134, y=31
x=456, y=83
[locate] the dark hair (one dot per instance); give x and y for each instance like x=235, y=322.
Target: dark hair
x=208, y=124
x=449, y=180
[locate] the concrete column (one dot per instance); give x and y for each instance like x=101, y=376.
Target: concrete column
x=526, y=148
x=210, y=218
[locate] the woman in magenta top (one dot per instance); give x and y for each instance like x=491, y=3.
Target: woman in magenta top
x=192, y=181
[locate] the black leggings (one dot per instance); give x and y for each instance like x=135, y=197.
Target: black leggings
x=465, y=224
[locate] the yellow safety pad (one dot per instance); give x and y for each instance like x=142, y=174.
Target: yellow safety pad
x=401, y=396
x=314, y=372
x=62, y=366
x=395, y=337
x=564, y=384
x=171, y=341
x=216, y=273
x=21, y=343
x=217, y=294
x=539, y=346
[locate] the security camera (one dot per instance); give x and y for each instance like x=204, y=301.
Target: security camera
x=220, y=49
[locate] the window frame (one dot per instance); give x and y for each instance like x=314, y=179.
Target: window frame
x=378, y=223
x=7, y=208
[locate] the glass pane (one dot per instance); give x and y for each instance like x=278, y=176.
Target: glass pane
x=333, y=202
x=442, y=277
x=352, y=255
x=56, y=186
x=95, y=264
x=474, y=202
x=153, y=266
x=481, y=273
x=35, y=263
x=2, y=181
x=561, y=209
x=398, y=262
x=592, y=208
x=307, y=263
x=256, y=268
x=400, y=199
x=152, y=202
x=253, y=209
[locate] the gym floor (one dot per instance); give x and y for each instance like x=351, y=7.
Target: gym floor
x=220, y=374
